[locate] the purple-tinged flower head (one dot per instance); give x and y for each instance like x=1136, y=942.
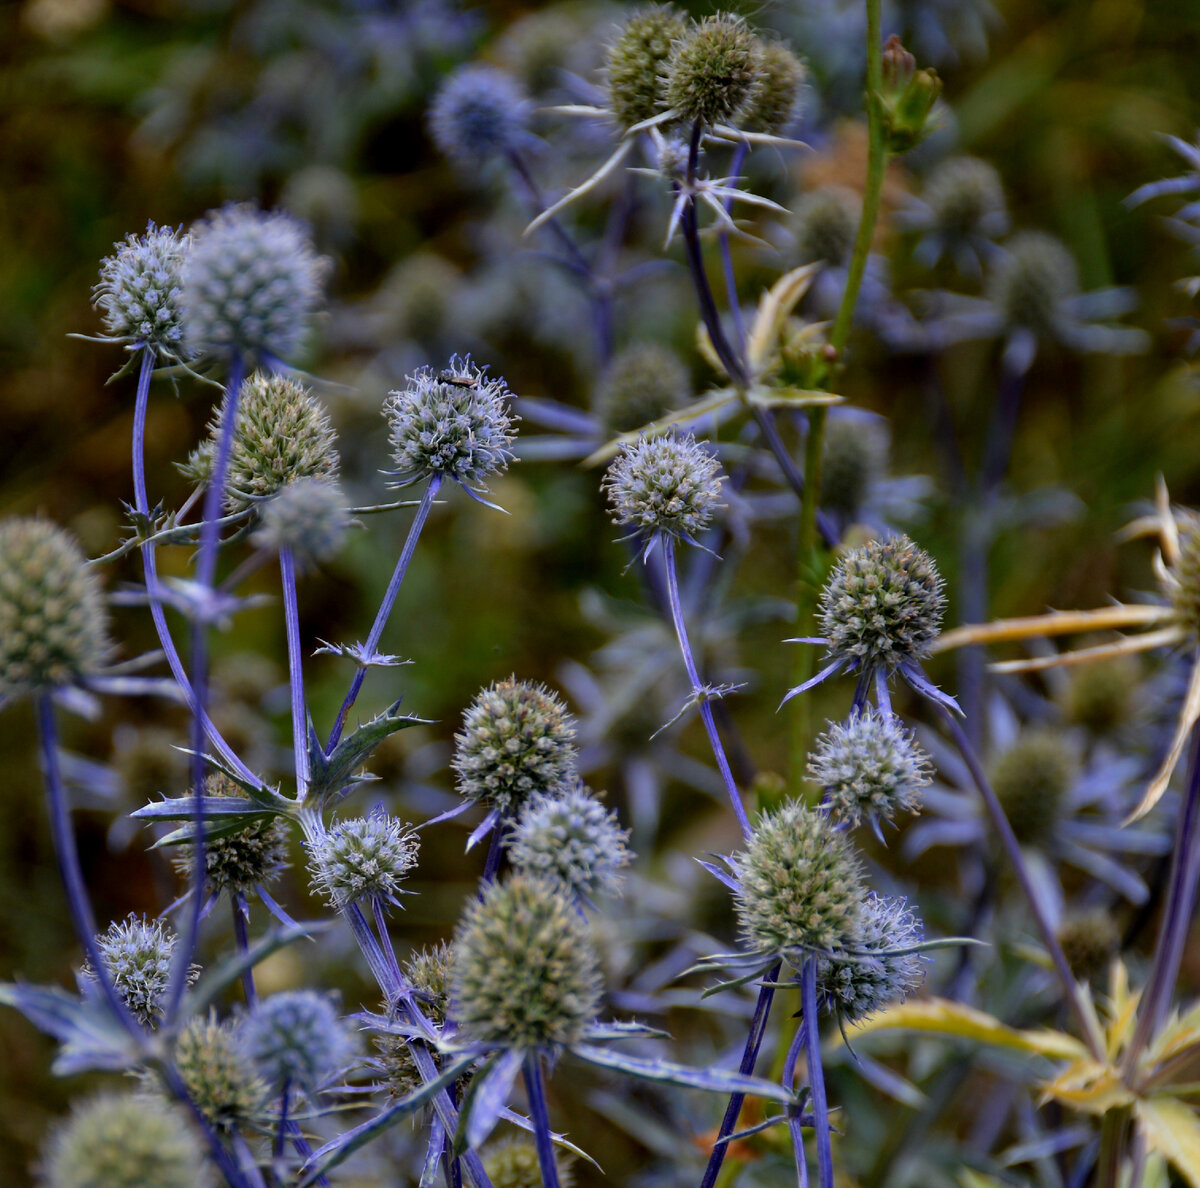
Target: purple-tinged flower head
x=1090, y=940
x=454, y=422
x=1031, y=281
x=643, y=381
x=124, y=1140
x=1032, y=780
x=524, y=972
x=136, y=954
x=53, y=626
x=478, y=114
x=363, y=858
x=824, y=225
x=637, y=63
x=1100, y=697
x=715, y=69
x=309, y=517
x=870, y=767
x=296, y=1038
x=241, y=861
x=512, y=1162
x=568, y=836
x=883, y=604
x=800, y=885
x=251, y=282
x=669, y=485
x=517, y=742
x=775, y=105
x=282, y=435
x=871, y=977
x=218, y=1075
x=140, y=292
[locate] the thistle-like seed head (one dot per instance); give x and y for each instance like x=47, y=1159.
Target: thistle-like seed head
x=570, y=837
x=124, y=1140
x=478, y=113
x=454, y=422
x=516, y=742
x=1031, y=281
x=883, y=604
x=966, y=198
x=251, y=281
x=428, y=973
x=664, y=484
x=776, y=102
x=52, y=618
x=363, y=858
x=1032, y=780
x=136, y=954
x=825, y=224
x=857, y=986
x=309, y=517
x=853, y=459
x=643, y=381
x=513, y=1163
x=870, y=767
x=1090, y=940
x=714, y=69
x=140, y=291
x=637, y=62
x=219, y=1077
x=524, y=973
x=296, y=1038
x=800, y=885
x=282, y=435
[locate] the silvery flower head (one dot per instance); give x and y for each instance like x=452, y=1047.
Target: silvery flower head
x=251, y=282
x=296, y=1038
x=570, y=837
x=454, y=422
x=363, y=858
x=478, y=114
x=140, y=291
x=218, y=1075
x=962, y=213
x=136, y=954
x=776, y=103
x=309, y=517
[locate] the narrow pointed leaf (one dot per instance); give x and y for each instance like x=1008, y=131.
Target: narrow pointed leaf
x=1172, y=1128
x=486, y=1098
x=703, y=407
x=91, y=1038
x=184, y=808
x=601, y=1032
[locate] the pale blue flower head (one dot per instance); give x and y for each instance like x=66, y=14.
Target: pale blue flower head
x=296, y=1038
x=478, y=114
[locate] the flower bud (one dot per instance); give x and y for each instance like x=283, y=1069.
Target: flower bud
x=643, y=382
x=513, y=1163
x=219, y=1077
x=1090, y=940
x=853, y=458
x=1032, y=780
x=825, y=225
x=907, y=97
x=309, y=517
x=1030, y=282
x=775, y=104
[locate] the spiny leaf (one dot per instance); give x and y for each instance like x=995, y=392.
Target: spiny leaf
x=1173, y=1129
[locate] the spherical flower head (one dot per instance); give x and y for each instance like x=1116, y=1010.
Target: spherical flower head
x=516, y=742
x=363, y=858
x=800, y=885
x=1099, y=696
x=825, y=225
x=455, y=423
x=251, y=281
x=571, y=838
x=309, y=517
x=1032, y=780
x=1090, y=940
x=479, y=113
x=136, y=954
x=427, y=971
x=870, y=767
x=664, y=484
x=1031, y=281
x=296, y=1038
x=966, y=198
x=282, y=435
x=513, y=1163
x=776, y=102
x=219, y=1077
x=853, y=458
x=857, y=986
x=124, y=1140
x=52, y=618
x=643, y=381
x=140, y=291
x=637, y=62
x=238, y=862
x=714, y=69
x=525, y=974
x=883, y=604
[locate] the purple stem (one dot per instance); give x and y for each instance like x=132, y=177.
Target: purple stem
x=540, y=1117
x=816, y=1074
x=385, y=940
x=495, y=851
x=291, y=616
x=238, y=903
x=795, y=1124
x=706, y=714
x=389, y=600
x=217, y=1150
x=281, y=1129
x=731, y=294
x=758, y=1029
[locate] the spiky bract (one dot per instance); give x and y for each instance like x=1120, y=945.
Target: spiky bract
x=799, y=885
x=136, y=953
x=52, y=618
x=516, y=742
x=219, y=1077
x=524, y=972
x=140, y=291
x=513, y=1163
x=363, y=858
x=1032, y=780
x=637, y=62
x=479, y=113
x=643, y=381
x=454, y=422
x=870, y=767
x=309, y=517
x=883, y=604
x=296, y=1038
x=776, y=101
x=251, y=282
x=714, y=69
x=1031, y=281
x=665, y=484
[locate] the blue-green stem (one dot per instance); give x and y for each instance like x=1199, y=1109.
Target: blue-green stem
x=540, y=1116
x=816, y=1074
x=291, y=617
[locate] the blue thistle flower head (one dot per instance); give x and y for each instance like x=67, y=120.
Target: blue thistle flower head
x=296, y=1038
x=363, y=858
x=136, y=954
x=479, y=113
x=251, y=282
x=309, y=517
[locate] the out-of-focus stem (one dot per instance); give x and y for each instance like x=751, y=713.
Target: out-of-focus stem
x=816, y=1073
x=794, y=1124
x=238, y=903
x=540, y=1117
x=291, y=616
